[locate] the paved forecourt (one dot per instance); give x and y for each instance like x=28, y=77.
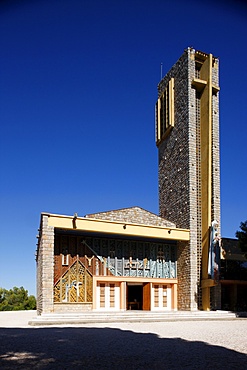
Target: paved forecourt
x=199, y=344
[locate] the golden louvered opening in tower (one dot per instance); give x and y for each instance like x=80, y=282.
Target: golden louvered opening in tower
x=165, y=112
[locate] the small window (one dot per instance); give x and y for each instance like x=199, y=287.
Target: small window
x=164, y=295
x=65, y=259
x=102, y=295
x=112, y=295
x=156, y=295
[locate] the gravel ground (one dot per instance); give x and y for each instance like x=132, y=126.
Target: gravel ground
x=168, y=345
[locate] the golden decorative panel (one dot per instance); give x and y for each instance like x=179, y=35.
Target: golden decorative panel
x=75, y=285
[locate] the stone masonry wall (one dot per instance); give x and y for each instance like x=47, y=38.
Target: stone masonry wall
x=173, y=151
x=215, y=149
x=194, y=185
x=45, y=267
x=216, y=291
x=179, y=173
x=183, y=275
x=178, y=176
x=134, y=215
x=72, y=307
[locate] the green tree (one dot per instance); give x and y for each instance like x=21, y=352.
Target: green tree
x=242, y=237
x=16, y=299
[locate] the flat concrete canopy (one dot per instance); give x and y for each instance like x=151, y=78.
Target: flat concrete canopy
x=116, y=227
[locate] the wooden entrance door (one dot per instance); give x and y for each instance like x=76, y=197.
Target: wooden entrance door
x=146, y=296
x=134, y=296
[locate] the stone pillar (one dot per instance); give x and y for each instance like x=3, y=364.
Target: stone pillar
x=45, y=267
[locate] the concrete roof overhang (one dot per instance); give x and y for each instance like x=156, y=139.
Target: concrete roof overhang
x=115, y=227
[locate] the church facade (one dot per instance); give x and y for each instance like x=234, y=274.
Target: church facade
x=132, y=259
x=119, y=260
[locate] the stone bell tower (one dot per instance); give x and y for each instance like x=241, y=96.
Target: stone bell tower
x=187, y=137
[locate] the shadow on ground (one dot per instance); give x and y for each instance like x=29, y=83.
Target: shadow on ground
x=107, y=348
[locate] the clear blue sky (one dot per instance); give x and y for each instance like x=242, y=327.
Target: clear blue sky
x=78, y=85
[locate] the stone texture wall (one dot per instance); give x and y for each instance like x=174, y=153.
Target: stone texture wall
x=134, y=215
x=194, y=214
x=174, y=152
x=215, y=149
x=216, y=291
x=178, y=176
x=72, y=307
x=179, y=173
x=45, y=267
x=184, y=276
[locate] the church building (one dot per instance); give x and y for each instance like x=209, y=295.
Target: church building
x=119, y=260
x=132, y=259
